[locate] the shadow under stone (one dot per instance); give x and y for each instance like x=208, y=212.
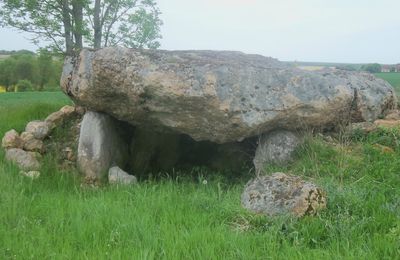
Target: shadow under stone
x=155, y=152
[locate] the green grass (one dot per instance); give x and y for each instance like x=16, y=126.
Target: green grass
x=393, y=78
x=182, y=218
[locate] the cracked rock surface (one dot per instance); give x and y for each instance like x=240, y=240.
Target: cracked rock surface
x=219, y=96
x=280, y=194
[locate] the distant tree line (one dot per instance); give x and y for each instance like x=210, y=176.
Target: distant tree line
x=25, y=70
x=372, y=67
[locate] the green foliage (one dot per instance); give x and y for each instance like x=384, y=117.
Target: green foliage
x=42, y=70
x=186, y=218
x=146, y=28
x=23, y=85
x=372, y=68
x=101, y=23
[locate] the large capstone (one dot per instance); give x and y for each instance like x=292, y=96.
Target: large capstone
x=219, y=96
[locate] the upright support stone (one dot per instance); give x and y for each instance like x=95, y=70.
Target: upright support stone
x=100, y=145
x=276, y=147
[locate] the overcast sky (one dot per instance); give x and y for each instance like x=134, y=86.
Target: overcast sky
x=304, y=30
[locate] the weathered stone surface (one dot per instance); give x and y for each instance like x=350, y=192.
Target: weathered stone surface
x=31, y=143
x=393, y=115
x=31, y=174
x=100, y=145
x=68, y=154
x=362, y=127
x=11, y=139
x=219, y=96
x=24, y=160
x=67, y=110
x=388, y=123
x=118, y=176
x=391, y=120
x=276, y=147
x=57, y=118
x=39, y=129
x=281, y=194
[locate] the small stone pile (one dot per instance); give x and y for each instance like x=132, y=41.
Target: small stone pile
x=26, y=149
x=391, y=120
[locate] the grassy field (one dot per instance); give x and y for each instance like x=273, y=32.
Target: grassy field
x=181, y=218
x=392, y=77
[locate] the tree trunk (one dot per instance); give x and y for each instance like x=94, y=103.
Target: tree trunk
x=77, y=12
x=97, y=25
x=67, y=28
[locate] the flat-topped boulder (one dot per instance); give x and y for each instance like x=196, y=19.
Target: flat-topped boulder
x=219, y=96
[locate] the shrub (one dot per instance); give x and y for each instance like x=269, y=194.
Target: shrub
x=23, y=85
x=11, y=88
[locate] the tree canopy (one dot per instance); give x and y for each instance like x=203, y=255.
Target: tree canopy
x=34, y=71
x=372, y=68
x=71, y=24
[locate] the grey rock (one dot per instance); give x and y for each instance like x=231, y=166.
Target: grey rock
x=57, y=118
x=276, y=147
x=11, y=139
x=68, y=154
x=100, y=145
x=31, y=143
x=24, y=160
x=393, y=115
x=360, y=128
x=219, y=96
x=39, y=129
x=281, y=194
x=118, y=176
x=67, y=110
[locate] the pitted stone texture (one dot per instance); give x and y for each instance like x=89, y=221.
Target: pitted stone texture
x=393, y=115
x=67, y=110
x=57, y=118
x=31, y=143
x=39, y=129
x=100, y=145
x=219, y=96
x=11, y=139
x=24, y=160
x=281, y=194
x=118, y=176
x=276, y=147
